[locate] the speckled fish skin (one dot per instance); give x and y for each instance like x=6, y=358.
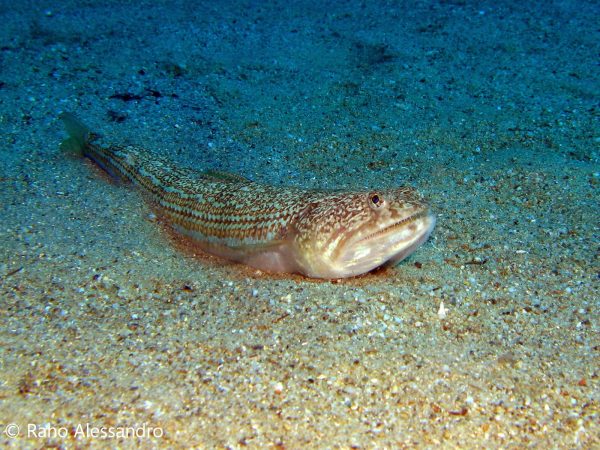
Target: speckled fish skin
x=320, y=234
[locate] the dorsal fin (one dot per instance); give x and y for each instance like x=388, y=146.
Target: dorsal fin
x=217, y=175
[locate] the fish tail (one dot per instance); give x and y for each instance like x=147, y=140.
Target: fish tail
x=80, y=142
x=79, y=134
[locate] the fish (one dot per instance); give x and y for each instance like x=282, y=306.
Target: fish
x=326, y=234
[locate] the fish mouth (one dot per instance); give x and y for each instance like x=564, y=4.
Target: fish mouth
x=390, y=245
x=405, y=248
x=396, y=225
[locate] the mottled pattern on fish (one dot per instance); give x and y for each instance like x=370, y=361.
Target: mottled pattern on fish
x=324, y=234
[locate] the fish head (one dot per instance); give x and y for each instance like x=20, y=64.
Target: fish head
x=347, y=234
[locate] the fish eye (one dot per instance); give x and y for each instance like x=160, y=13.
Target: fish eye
x=376, y=201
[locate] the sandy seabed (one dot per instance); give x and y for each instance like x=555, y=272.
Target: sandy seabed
x=112, y=336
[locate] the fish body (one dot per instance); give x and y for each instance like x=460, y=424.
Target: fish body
x=317, y=233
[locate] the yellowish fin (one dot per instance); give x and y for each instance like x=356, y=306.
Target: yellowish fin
x=79, y=134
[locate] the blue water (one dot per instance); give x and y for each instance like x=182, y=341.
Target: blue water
x=490, y=109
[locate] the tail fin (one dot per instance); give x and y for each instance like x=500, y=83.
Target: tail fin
x=79, y=134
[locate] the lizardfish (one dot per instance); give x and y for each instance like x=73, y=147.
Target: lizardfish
x=317, y=233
